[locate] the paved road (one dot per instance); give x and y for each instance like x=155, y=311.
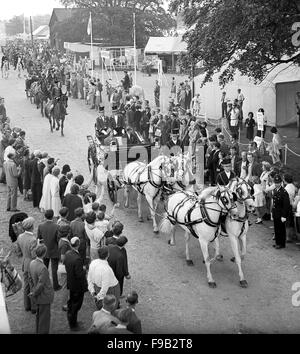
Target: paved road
x=174, y=298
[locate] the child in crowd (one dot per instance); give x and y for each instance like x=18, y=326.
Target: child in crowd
x=259, y=199
x=101, y=223
x=63, y=214
x=111, y=215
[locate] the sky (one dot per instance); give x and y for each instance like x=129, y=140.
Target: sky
x=10, y=8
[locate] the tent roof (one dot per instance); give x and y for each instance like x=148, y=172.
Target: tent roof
x=41, y=31
x=167, y=45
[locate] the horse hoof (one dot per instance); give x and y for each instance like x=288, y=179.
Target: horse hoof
x=232, y=259
x=219, y=257
x=149, y=218
x=141, y=219
x=155, y=231
x=171, y=244
x=243, y=283
x=212, y=284
x=189, y=262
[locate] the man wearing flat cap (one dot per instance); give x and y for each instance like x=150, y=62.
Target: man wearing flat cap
x=25, y=248
x=280, y=211
x=225, y=176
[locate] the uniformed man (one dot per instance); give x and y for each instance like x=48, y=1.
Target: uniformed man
x=225, y=176
x=281, y=205
x=101, y=125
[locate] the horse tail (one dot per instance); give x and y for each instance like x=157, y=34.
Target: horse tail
x=165, y=225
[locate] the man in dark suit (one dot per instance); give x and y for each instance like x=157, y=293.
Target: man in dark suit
x=241, y=168
x=212, y=160
x=76, y=283
x=175, y=143
x=225, y=176
x=42, y=290
x=101, y=124
x=117, y=122
x=118, y=260
x=130, y=136
x=36, y=180
x=280, y=211
x=72, y=201
x=48, y=232
x=234, y=160
x=78, y=230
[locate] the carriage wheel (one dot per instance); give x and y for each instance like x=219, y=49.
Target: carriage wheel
x=112, y=190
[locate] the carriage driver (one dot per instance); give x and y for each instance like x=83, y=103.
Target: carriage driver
x=56, y=93
x=101, y=125
x=225, y=176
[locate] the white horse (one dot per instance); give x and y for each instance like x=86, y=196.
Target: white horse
x=237, y=228
x=163, y=175
x=147, y=180
x=199, y=216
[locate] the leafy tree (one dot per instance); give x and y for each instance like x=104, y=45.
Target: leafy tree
x=252, y=36
x=113, y=21
x=14, y=25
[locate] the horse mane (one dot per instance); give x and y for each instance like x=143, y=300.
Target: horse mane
x=158, y=158
x=207, y=192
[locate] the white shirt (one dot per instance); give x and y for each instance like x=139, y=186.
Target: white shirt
x=102, y=225
x=291, y=189
x=101, y=274
x=9, y=149
x=243, y=171
x=227, y=174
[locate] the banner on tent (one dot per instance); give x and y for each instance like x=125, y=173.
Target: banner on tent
x=105, y=54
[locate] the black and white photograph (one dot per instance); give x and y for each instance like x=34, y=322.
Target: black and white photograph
x=150, y=169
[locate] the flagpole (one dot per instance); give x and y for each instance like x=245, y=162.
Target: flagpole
x=92, y=54
x=102, y=68
x=134, y=44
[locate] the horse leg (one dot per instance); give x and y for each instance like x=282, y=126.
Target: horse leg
x=187, y=236
x=62, y=127
x=207, y=261
x=57, y=123
x=42, y=108
x=235, y=248
x=153, y=206
x=139, y=207
x=218, y=256
x=172, y=242
x=50, y=122
x=126, y=196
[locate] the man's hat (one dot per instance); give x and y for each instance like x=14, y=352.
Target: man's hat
x=226, y=161
x=277, y=179
x=175, y=131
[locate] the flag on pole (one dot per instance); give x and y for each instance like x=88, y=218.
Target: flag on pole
x=89, y=27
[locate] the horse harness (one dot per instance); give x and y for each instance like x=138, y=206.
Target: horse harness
x=187, y=219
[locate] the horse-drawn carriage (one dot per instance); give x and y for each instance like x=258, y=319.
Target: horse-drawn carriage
x=113, y=158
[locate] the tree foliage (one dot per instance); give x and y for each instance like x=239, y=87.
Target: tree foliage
x=113, y=21
x=252, y=36
x=16, y=24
